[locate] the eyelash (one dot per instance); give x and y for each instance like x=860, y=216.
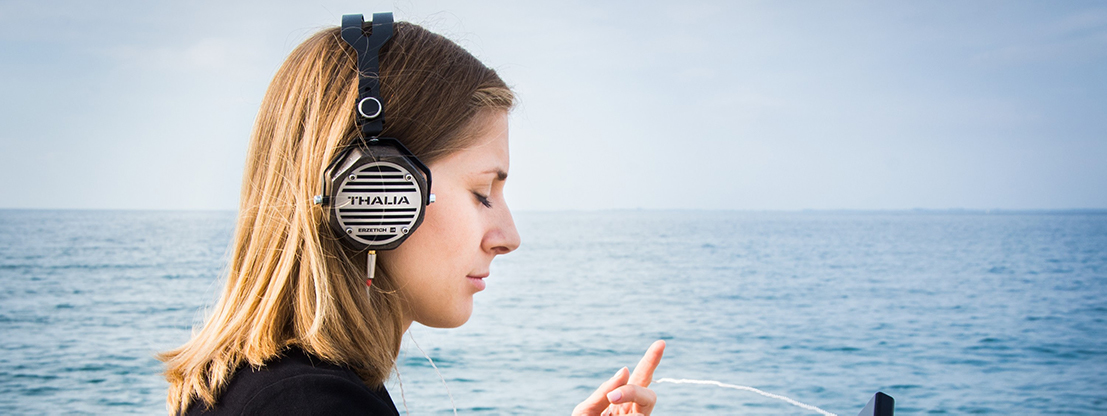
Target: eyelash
x=483, y=200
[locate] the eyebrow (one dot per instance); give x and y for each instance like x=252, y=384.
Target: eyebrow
x=500, y=174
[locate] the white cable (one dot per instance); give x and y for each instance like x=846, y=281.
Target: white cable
x=746, y=388
x=403, y=397
x=454, y=405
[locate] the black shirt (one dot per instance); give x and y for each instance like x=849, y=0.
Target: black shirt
x=298, y=384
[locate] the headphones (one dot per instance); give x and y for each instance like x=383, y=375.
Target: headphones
x=376, y=188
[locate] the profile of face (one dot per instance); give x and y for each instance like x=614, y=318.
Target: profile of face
x=444, y=262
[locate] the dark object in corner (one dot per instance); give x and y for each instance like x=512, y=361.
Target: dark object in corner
x=880, y=405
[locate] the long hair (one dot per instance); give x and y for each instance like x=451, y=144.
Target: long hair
x=289, y=281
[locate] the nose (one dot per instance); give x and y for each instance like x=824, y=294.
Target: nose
x=502, y=237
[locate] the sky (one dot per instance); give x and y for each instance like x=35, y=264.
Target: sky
x=745, y=105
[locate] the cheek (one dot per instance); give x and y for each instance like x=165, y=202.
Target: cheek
x=438, y=255
x=418, y=261
x=444, y=237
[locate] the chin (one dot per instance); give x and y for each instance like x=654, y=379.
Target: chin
x=450, y=320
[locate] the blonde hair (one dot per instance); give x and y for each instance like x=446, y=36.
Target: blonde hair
x=289, y=281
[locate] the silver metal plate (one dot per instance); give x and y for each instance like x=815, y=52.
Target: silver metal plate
x=378, y=203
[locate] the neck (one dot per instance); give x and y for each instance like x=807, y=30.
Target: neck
x=407, y=323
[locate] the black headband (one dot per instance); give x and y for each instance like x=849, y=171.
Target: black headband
x=369, y=106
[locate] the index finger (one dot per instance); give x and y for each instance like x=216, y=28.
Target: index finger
x=643, y=372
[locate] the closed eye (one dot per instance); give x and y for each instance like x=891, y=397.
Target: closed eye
x=483, y=200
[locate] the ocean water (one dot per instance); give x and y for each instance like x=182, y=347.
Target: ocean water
x=949, y=312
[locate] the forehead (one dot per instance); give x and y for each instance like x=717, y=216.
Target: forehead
x=488, y=149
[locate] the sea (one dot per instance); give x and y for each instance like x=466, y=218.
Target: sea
x=948, y=312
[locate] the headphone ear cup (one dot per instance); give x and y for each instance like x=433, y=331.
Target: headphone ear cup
x=377, y=197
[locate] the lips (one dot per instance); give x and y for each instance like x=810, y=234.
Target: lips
x=477, y=280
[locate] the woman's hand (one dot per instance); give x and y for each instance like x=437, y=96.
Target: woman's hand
x=625, y=394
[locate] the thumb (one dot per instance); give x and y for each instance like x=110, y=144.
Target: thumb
x=597, y=402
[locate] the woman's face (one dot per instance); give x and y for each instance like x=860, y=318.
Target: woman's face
x=444, y=262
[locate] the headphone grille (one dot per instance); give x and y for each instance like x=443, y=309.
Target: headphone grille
x=378, y=203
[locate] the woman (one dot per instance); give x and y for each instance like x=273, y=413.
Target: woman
x=296, y=330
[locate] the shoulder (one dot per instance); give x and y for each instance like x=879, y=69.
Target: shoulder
x=298, y=384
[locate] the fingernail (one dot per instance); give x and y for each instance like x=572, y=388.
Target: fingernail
x=614, y=396
x=617, y=373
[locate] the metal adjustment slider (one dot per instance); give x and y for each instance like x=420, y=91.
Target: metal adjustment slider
x=369, y=107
